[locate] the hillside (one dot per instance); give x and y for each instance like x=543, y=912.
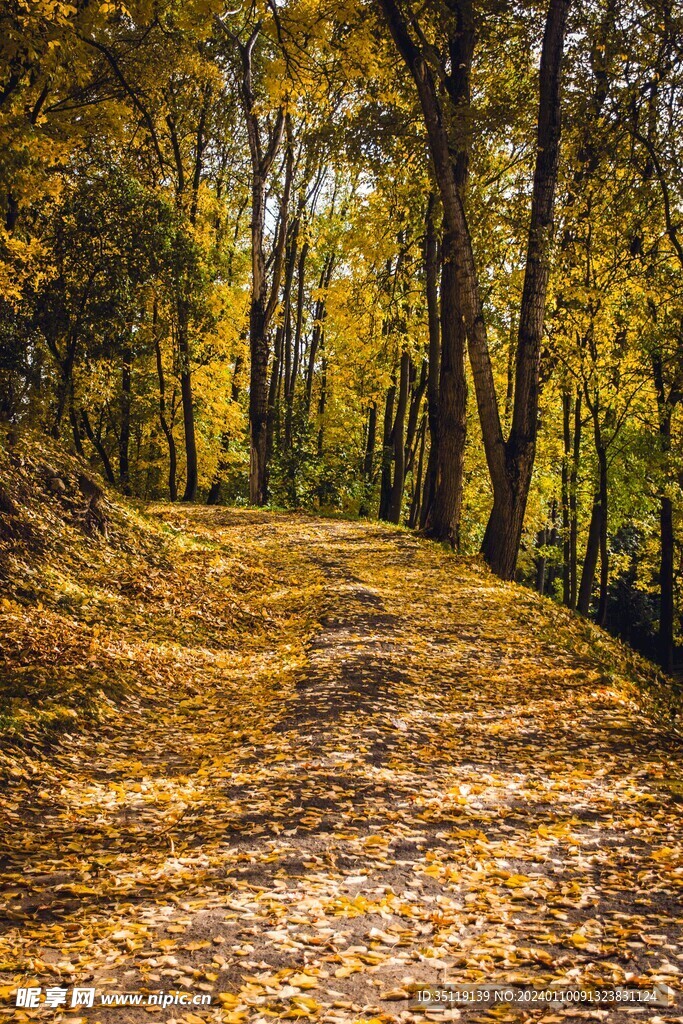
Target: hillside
x=303, y=766
x=99, y=600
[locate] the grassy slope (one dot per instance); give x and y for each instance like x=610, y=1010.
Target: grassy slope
x=99, y=600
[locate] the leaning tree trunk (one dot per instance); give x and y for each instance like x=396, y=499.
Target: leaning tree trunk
x=510, y=463
x=512, y=480
x=96, y=442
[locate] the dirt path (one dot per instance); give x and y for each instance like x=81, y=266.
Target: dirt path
x=402, y=774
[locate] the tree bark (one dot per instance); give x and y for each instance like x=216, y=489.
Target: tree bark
x=369, y=459
x=573, y=503
x=398, y=444
x=511, y=482
x=433, y=317
x=414, y=515
x=601, y=617
x=387, y=454
x=318, y=327
x=566, y=518
x=666, y=585
x=665, y=405
x=510, y=463
x=191, y=467
x=262, y=303
x=165, y=426
x=124, y=433
x=417, y=390
x=96, y=442
x=296, y=346
x=274, y=390
x=443, y=518
x=591, y=559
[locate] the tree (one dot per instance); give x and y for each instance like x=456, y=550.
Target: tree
x=510, y=461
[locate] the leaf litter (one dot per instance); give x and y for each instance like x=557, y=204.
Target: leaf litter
x=331, y=764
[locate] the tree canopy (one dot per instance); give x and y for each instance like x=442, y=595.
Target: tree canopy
x=420, y=262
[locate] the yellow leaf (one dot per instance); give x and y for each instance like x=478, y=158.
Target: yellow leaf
x=303, y=981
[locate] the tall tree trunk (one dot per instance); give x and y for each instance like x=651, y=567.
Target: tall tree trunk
x=387, y=454
x=665, y=405
x=541, y=560
x=433, y=315
x=191, y=474
x=591, y=558
x=666, y=584
x=443, y=518
x=319, y=315
x=414, y=515
x=369, y=460
x=292, y=251
x=601, y=617
x=281, y=371
x=512, y=480
x=573, y=503
x=258, y=405
x=296, y=345
x=124, y=433
x=398, y=443
x=183, y=298
x=322, y=404
x=75, y=425
x=274, y=390
x=417, y=390
x=566, y=517
x=552, y=541
x=571, y=405
x=263, y=303
x=65, y=386
x=237, y=370
x=510, y=463
x=163, y=419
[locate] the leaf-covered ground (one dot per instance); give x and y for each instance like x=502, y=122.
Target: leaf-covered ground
x=328, y=762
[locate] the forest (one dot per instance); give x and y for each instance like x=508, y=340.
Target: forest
x=414, y=262
x=341, y=539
